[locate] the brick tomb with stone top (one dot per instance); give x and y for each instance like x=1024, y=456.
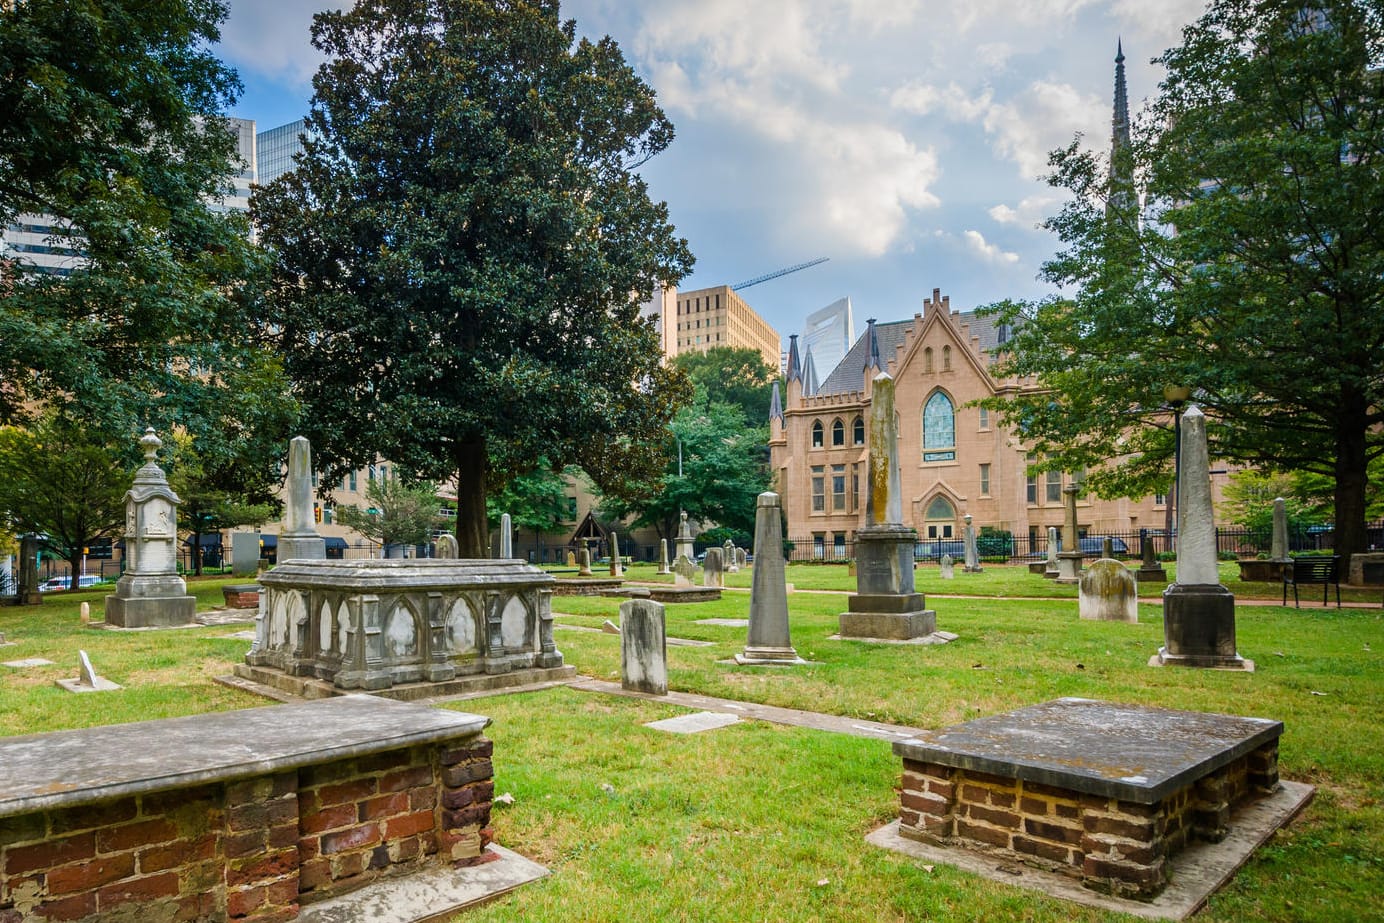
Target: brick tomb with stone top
x=1106, y=793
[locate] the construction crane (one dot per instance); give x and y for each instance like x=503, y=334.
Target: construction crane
x=782, y=272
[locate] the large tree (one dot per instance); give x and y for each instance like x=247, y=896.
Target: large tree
x=732, y=375
x=462, y=250
x=113, y=137
x=1252, y=272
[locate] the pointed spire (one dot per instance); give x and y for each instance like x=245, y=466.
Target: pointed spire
x=1119, y=124
x=810, y=382
x=795, y=372
x=775, y=405
x=872, y=360
x=1122, y=193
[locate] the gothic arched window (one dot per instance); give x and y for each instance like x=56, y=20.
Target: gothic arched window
x=939, y=428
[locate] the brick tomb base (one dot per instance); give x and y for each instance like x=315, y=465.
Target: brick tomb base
x=1105, y=793
x=237, y=816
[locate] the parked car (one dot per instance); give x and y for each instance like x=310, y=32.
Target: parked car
x=63, y=583
x=1093, y=545
x=934, y=549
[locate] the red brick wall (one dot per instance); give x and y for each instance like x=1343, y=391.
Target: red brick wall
x=249, y=850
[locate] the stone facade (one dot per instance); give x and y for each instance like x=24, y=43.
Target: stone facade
x=819, y=454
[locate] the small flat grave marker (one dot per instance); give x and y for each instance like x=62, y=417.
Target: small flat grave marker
x=30, y=662
x=693, y=723
x=88, y=681
x=727, y=623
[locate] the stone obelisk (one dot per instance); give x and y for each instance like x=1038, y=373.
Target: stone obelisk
x=298, y=539
x=1069, y=558
x=1198, y=612
x=150, y=593
x=768, y=639
x=885, y=605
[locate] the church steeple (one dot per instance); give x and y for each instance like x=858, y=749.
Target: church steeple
x=1122, y=194
x=794, y=372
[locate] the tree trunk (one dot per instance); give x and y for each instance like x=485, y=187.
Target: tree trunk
x=1349, y=537
x=74, y=569
x=196, y=554
x=472, y=466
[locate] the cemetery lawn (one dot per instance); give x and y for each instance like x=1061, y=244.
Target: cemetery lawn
x=758, y=821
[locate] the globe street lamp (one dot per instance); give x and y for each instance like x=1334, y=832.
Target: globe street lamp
x=1177, y=397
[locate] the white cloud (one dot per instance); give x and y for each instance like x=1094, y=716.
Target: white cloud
x=271, y=37
x=923, y=98
x=1042, y=118
x=990, y=253
x=1030, y=211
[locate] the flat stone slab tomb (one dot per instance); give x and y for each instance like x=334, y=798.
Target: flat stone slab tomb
x=404, y=629
x=1105, y=794
x=250, y=815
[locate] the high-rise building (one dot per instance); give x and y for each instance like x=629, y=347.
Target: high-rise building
x=277, y=148
x=829, y=333
x=717, y=316
x=661, y=308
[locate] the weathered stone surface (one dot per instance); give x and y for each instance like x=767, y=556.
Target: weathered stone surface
x=684, y=547
x=584, y=562
x=1108, y=593
x=1130, y=752
x=298, y=540
x=643, y=647
x=1069, y=558
x=768, y=638
x=712, y=572
x=972, y=550
x=1050, y=569
x=617, y=566
x=684, y=572
x=884, y=497
x=694, y=723
x=946, y=568
x=663, y=565
x=506, y=536
x=245, y=553
x=445, y=547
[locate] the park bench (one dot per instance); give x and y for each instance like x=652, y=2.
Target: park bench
x=1311, y=570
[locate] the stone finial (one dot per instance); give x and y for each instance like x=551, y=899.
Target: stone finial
x=150, y=444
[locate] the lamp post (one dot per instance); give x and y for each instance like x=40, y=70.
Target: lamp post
x=1177, y=397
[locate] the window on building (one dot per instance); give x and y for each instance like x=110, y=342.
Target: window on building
x=838, y=545
x=819, y=487
x=939, y=428
x=1032, y=483
x=1054, y=486
x=838, y=488
x=370, y=474
x=927, y=360
x=858, y=431
x=819, y=546
x=855, y=486
x=985, y=480
x=816, y=434
x=838, y=433
x=1160, y=499
x=352, y=478
x=384, y=472
x=572, y=509
x=946, y=358
x=327, y=513
x=984, y=418
x=941, y=517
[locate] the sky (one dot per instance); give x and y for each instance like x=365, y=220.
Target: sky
x=904, y=140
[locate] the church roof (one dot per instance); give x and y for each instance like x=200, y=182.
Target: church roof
x=849, y=374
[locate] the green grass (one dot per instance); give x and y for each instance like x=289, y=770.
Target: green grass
x=745, y=822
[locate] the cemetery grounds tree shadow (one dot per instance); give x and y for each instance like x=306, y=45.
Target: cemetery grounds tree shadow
x=1253, y=272
x=461, y=252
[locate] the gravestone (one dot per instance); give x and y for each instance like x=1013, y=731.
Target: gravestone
x=684, y=571
x=946, y=567
x=1107, y=547
x=1069, y=558
x=768, y=640
x=684, y=540
x=663, y=567
x=506, y=537
x=1050, y=571
x=584, y=567
x=1108, y=593
x=28, y=571
x=1150, y=571
x=245, y=553
x=571, y=558
x=150, y=593
x=643, y=647
x=728, y=557
x=445, y=546
x=87, y=680
x=617, y=568
x=1198, y=612
x=971, y=550
x=711, y=569
x=84, y=613
x=1278, y=544
x=742, y=558
x=885, y=604
x=298, y=539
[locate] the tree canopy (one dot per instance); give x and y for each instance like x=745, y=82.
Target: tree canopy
x=399, y=513
x=1252, y=271
x=734, y=375
x=461, y=253
x=113, y=139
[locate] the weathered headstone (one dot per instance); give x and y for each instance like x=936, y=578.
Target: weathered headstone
x=768, y=638
x=1108, y=592
x=87, y=680
x=1150, y=571
x=711, y=569
x=946, y=567
x=150, y=593
x=742, y=558
x=684, y=571
x=1050, y=571
x=84, y=613
x=506, y=537
x=728, y=557
x=1107, y=547
x=885, y=604
x=1198, y=612
x=643, y=647
x=971, y=549
x=245, y=553
x=445, y=546
x=584, y=562
x=571, y=558
x=1278, y=543
x=617, y=568
x=28, y=571
x=663, y=566
x=298, y=539
x=1069, y=558
x=684, y=539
